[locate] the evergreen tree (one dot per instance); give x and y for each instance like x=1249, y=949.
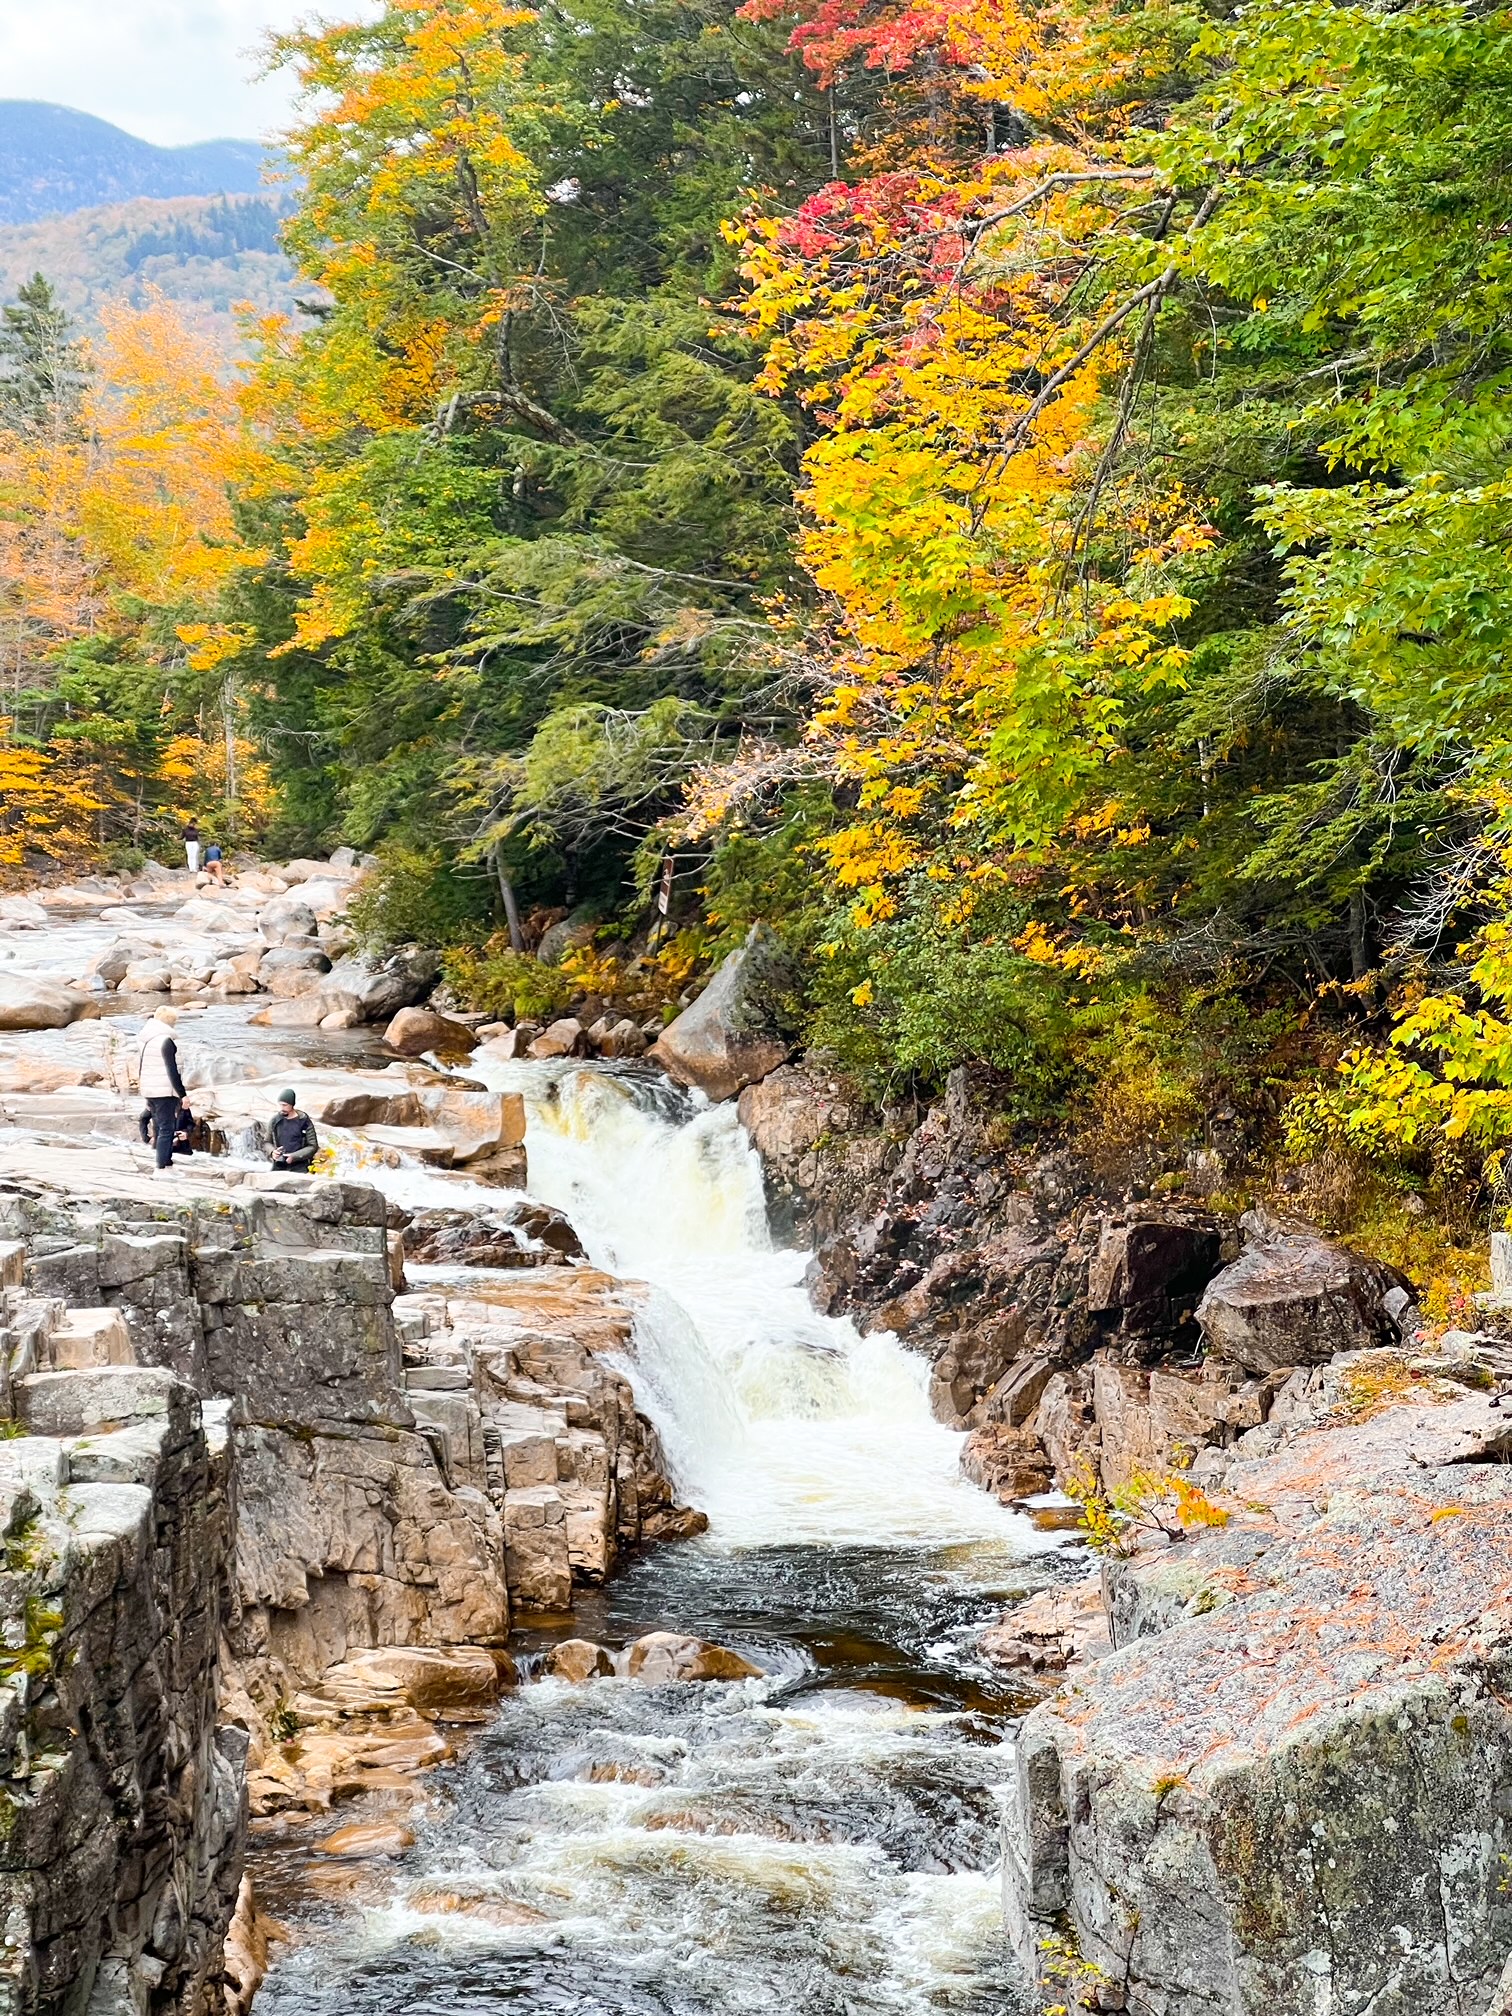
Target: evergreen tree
x=41, y=367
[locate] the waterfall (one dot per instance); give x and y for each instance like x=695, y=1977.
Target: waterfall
x=786, y=1426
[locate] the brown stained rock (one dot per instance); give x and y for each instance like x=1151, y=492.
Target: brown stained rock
x=487, y=1909
x=623, y=1038
x=414, y=1031
x=366, y=1839
x=733, y=1033
x=432, y=1678
x=416, y=1751
x=661, y=1658
x=579, y=1659
x=674, y=1522
x=564, y=1038
x=1009, y=1462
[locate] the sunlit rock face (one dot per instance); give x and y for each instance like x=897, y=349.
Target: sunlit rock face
x=1287, y=1788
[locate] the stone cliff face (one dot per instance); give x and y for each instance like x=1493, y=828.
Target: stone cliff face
x=1273, y=1780
x=122, y=1808
x=1283, y=1785
x=380, y=1469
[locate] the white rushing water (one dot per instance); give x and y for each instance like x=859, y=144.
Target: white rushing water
x=785, y=1426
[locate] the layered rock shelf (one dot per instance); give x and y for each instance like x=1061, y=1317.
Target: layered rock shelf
x=250, y=1467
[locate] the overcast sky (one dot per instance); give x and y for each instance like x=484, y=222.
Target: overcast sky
x=167, y=70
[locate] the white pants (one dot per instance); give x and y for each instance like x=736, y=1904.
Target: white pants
x=191, y=848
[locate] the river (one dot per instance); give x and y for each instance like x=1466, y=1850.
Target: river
x=819, y=1842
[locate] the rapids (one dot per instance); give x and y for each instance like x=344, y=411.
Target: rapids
x=820, y=1842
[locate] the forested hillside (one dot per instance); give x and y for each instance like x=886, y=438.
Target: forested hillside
x=211, y=254
x=1013, y=497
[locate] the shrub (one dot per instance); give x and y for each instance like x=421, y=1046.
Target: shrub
x=505, y=983
x=415, y=897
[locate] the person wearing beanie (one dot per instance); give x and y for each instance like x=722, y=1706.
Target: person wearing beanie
x=291, y=1135
x=160, y=1083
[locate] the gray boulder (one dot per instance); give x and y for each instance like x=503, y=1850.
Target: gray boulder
x=1295, y=1298
x=380, y=987
x=287, y=917
x=28, y=1001
x=1285, y=1792
x=734, y=1032
x=111, y=966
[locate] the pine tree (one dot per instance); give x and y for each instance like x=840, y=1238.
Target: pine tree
x=41, y=368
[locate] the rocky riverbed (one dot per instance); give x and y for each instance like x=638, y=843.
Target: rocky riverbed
x=586, y=1601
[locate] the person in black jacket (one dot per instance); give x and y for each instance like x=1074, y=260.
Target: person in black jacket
x=292, y=1136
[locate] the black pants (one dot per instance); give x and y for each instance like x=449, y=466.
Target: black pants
x=164, y=1120
x=299, y=1163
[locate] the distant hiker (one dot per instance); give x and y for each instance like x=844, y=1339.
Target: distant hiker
x=191, y=845
x=160, y=1083
x=213, y=867
x=292, y=1136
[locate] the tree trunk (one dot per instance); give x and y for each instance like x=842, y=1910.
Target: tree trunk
x=511, y=907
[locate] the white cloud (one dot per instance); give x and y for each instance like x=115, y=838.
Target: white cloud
x=167, y=70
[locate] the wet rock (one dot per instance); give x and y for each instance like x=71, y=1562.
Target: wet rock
x=27, y=1001
x=1296, y=1298
x=623, y=1038
x=443, y=1679
x=663, y=1657
x=513, y=1043
x=674, y=1522
x=23, y=913
x=490, y=1238
x=735, y=1032
x=563, y=1038
x=486, y=1908
x=368, y=1838
x=579, y=1659
x=414, y=1031
x=823, y=1155
x=1009, y=1462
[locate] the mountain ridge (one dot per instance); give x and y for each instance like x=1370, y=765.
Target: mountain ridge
x=54, y=160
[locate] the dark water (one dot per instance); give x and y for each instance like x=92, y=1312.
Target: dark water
x=820, y=1843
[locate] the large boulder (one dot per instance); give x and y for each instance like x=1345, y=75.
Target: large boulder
x=380, y=987
x=734, y=1032
x=1283, y=1792
x=1295, y=1298
x=111, y=966
x=28, y=1001
x=564, y=1038
x=287, y=917
x=416, y=1031
x=23, y=913
x=664, y=1657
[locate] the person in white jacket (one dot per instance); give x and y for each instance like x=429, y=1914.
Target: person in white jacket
x=160, y=1082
